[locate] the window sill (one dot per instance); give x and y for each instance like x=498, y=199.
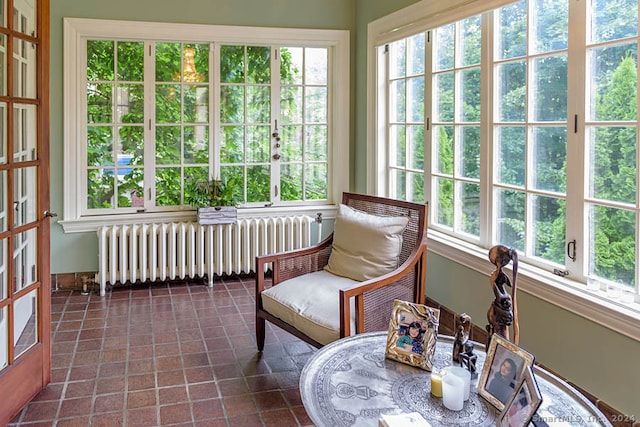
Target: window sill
x=92, y=223
x=572, y=296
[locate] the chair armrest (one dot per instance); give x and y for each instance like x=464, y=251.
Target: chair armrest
x=372, y=303
x=289, y=264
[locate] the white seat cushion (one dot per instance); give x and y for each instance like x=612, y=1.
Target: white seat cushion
x=311, y=304
x=365, y=246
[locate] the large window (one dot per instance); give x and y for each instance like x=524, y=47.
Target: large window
x=148, y=115
x=530, y=129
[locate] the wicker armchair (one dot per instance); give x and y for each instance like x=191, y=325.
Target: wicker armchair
x=363, y=306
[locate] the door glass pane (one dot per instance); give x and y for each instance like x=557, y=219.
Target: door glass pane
x=24, y=17
x=3, y=201
x=4, y=262
x=4, y=337
x=25, y=259
x=3, y=64
x=24, y=195
x=3, y=133
x=25, y=322
x=24, y=132
x=24, y=68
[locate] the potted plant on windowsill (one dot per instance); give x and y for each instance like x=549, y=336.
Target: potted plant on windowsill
x=215, y=199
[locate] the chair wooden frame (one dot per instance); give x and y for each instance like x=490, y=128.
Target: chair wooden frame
x=373, y=298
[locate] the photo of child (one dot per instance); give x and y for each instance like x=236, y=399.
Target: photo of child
x=411, y=337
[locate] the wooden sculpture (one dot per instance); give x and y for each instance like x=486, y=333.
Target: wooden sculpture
x=462, y=335
x=503, y=312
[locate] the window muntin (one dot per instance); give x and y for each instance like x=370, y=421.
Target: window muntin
x=536, y=131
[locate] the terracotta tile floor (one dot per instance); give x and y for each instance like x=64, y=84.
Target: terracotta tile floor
x=174, y=354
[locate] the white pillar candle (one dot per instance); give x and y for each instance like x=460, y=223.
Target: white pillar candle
x=452, y=392
x=464, y=375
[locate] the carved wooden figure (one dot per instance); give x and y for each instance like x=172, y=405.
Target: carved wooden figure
x=503, y=311
x=462, y=335
x=468, y=358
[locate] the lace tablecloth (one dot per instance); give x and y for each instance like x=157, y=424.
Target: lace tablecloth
x=350, y=383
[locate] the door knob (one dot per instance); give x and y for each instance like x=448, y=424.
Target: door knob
x=48, y=214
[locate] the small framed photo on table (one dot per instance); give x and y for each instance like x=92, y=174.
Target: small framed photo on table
x=523, y=404
x=413, y=331
x=503, y=371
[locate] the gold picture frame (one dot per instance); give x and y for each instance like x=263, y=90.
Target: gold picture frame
x=413, y=331
x=503, y=371
x=523, y=405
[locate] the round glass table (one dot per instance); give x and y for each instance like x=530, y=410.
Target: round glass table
x=350, y=383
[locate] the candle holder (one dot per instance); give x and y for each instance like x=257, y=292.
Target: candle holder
x=452, y=392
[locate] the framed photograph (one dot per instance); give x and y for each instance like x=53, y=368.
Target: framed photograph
x=413, y=330
x=503, y=371
x=523, y=405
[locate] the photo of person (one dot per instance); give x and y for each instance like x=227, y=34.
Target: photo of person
x=411, y=338
x=503, y=380
x=503, y=371
x=523, y=405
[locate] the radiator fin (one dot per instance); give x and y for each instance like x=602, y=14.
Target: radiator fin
x=167, y=251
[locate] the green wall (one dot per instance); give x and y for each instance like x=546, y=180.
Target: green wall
x=593, y=357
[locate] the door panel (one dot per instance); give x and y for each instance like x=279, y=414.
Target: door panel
x=25, y=291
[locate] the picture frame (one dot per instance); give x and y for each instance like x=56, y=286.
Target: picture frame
x=503, y=370
x=413, y=331
x=523, y=404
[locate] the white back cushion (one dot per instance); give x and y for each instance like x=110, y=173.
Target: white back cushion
x=365, y=246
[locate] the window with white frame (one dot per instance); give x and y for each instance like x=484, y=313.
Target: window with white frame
x=530, y=135
x=148, y=114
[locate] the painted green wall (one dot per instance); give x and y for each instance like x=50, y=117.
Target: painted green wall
x=595, y=358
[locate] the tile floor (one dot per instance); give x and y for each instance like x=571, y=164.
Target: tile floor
x=179, y=354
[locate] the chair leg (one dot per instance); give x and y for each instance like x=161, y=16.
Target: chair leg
x=260, y=325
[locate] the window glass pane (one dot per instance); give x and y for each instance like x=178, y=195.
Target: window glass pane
x=168, y=62
x=99, y=103
x=291, y=143
x=550, y=88
x=415, y=134
x=612, y=253
x=130, y=103
x=470, y=208
x=196, y=144
x=168, y=187
x=470, y=152
x=195, y=63
x=258, y=144
x=397, y=98
x=511, y=86
x=397, y=59
x=315, y=181
x=131, y=61
x=444, y=44
x=196, y=104
x=550, y=25
x=291, y=182
x=316, y=143
x=550, y=158
x=168, y=103
x=232, y=104
x=315, y=66
x=291, y=104
x=398, y=184
x=612, y=161
x=415, y=54
x=100, y=188
x=549, y=226
x=415, y=191
x=613, y=82
x=258, y=183
x=510, y=218
x=258, y=64
x=398, y=146
x=168, y=145
x=608, y=23
x=444, y=149
x=444, y=202
x=470, y=40
x=316, y=104
x=100, y=60
x=443, y=86
x=232, y=63
x=232, y=149
x=470, y=100
x=511, y=31
x=291, y=65
x=415, y=100
x=259, y=98
x=510, y=152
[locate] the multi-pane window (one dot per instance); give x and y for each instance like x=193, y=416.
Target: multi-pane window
x=151, y=125
x=531, y=133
